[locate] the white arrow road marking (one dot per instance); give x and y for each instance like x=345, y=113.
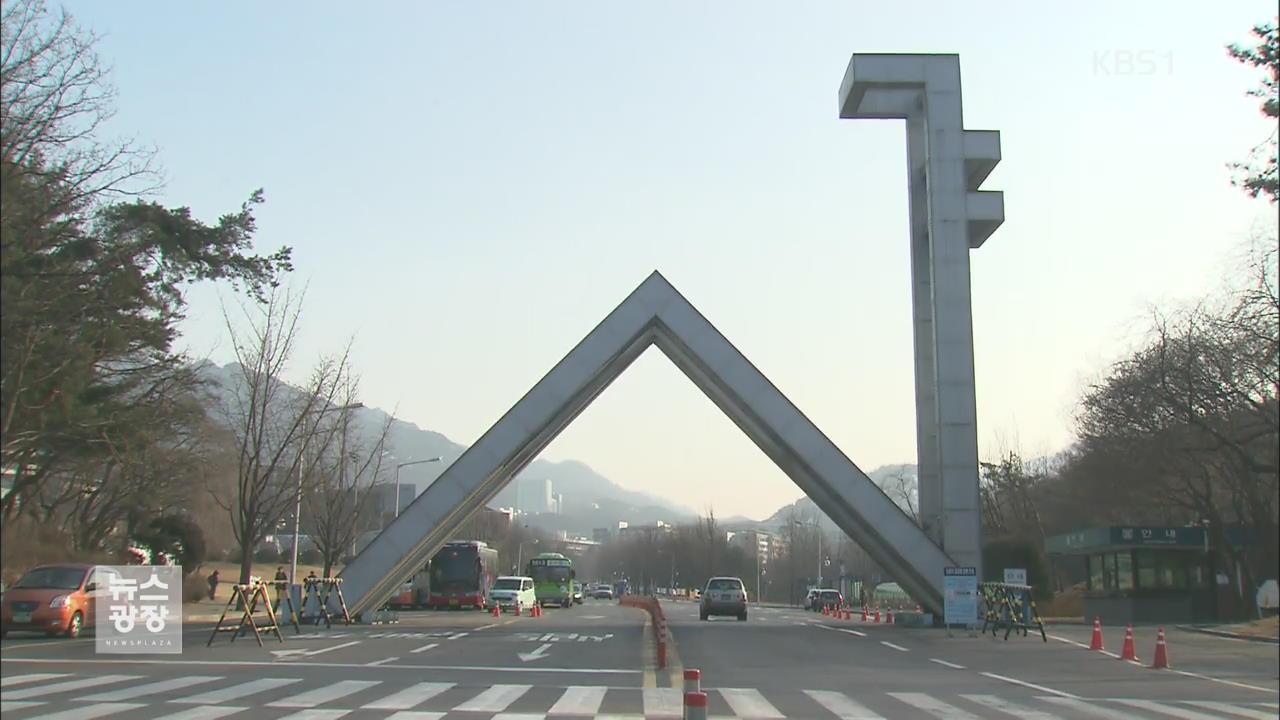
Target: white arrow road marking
x=291, y=654
x=538, y=654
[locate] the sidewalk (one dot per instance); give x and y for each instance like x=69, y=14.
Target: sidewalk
x=1263, y=631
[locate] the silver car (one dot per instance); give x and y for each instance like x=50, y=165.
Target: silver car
x=724, y=596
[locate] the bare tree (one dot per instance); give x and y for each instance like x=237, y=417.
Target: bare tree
x=271, y=423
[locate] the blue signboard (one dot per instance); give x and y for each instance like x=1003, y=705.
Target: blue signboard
x=960, y=595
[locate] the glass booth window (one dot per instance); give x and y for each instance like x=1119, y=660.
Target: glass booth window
x=1146, y=569
x=1124, y=570
x=1095, y=572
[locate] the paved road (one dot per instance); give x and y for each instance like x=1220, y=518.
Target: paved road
x=594, y=661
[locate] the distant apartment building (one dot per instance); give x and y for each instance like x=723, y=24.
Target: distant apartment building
x=765, y=545
x=600, y=535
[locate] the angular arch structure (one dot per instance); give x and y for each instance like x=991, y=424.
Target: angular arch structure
x=949, y=217
x=653, y=314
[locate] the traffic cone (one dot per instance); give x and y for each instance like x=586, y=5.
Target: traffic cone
x=1129, y=652
x=864, y=613
x=889, y=620
x=1096, y=642
x=877, y=614
x=537, y=610
x=517, y=609
x=1162, y=652
x=497, y=611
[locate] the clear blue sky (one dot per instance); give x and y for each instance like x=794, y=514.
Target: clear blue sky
x=470, y=187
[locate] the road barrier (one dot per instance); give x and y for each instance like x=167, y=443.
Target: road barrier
x=651, y=605
x=692, y=680
x=244, y=600
x=321, y=589
x=695, y=706
x=1130, y=651
x=1005, y=604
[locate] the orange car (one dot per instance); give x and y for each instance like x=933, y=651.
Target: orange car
x=52, y=599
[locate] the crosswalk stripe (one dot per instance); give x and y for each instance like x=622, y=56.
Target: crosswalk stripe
x=1233, y=709
x=66, y=686
x=933, y=706
x=1169, y=710
x=579, y=700
x=235, y=692
x=416, y=715
x=1012, y=708
x=519, y=716
x=1086, y=708
x=495, y=699
x=409, y=697
x=88, y=712
x=662, y=703
x=11, y=705
x=203, y=712
x=841, y=705
x=749, y=704
x=311, y=698
x=315, y=714
x=29, y=678
x=138, y=691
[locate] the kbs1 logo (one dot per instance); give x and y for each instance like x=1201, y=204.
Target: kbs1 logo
x=1125, y=63
x=138, y=609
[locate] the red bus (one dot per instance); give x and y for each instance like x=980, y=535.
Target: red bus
x=460, y=575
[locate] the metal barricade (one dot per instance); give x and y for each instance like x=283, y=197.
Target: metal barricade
x=1010, y=606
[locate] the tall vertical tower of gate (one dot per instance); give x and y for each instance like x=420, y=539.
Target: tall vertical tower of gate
x=949, y=217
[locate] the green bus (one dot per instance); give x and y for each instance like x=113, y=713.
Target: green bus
x=553, y=576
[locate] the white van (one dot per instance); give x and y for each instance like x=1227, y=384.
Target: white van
x=510, y=590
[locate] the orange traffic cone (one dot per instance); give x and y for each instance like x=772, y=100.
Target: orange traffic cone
x=537, y=610
x=889, y=619
x=497, y=611
x=1096, y=642
x=864, y=613
x=877, y=614
x=1129, y=652
x=517, y=609
x=1162, y=652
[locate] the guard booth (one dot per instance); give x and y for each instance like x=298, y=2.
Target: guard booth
x=1148, y=574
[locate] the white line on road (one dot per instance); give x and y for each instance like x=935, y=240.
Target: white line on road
x=204, y=712
x=886, y=643
x=383, y=661
x=1224, y=682
x=68, y=685
x=841, y=705
x=235, y=692
x=316, y=714
x=859, y=633
x=662, y=703
x=24, y=679
x=455, y=636
x=88, y=712
x=1166, y=709
x=1085, y=708
x=1232, y=709
x=749, y=703
x=579, y=700
x=1012, y=708
x=334, y=647
x=948, y=664
x=409, y=697
x=417, y=715
x=495, y=699
x=311, y=698
x=267, y=663
x=490, y=625
x=1024, y=683
x=1072, y=642
x=933, y=706
x=138, y=691
x=12, y=705
x=425, y=648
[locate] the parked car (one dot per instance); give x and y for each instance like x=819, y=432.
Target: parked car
x=809, y=599
x=53, y=599
x=603, y=593
x=828, y=599
x=508, y=591
x=724, y=596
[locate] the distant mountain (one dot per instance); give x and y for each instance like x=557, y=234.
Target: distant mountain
x=590, y=500
x=897, y=481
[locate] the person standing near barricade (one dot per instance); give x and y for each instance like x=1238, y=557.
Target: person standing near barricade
x=282, y=585
x=213, y=585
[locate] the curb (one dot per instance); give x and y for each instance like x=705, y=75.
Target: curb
x=1228, y=634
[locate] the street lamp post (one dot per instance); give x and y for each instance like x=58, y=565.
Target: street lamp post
x=407, y=464
x=297, y=508
x=817, y=526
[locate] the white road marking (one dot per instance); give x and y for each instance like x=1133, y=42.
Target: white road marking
x=235, y=692
x=934, y=707
x=494, y=700
x=425, y=648
x=455, y=636
x=853, y=632
x=519, y=716
x=331, y=647
x=383, y=661
x=841, y=705
x=1068, y=640
x=1012, y=708
x=948, y=664
x=749, y=703
x=417, y=715
x=1166, y=709
x=409, y=697
x=579, y=700
x=30, y=678
x=88, y=712
x=1224, y=682
x=11, y=705
x=1232, y=709
x=662, y=703
x=1024, y=683
x=316, y=714
x=138, y=691
x=311, y=698
x=204, y=712
x=267, y=663
x=899, y=648
x=1083, y=707
x=66, y=686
